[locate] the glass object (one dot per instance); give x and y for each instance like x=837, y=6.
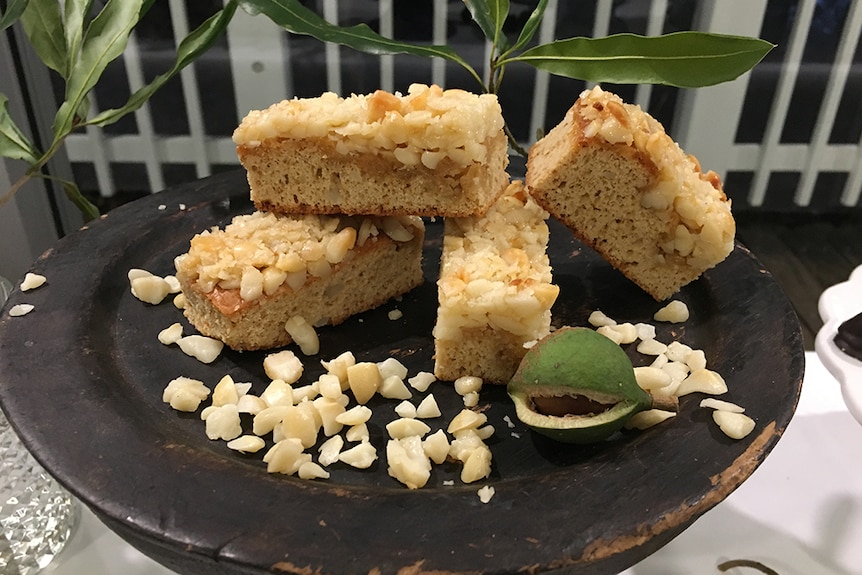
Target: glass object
x=37, y=516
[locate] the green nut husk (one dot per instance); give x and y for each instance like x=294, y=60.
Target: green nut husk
x=576, y=386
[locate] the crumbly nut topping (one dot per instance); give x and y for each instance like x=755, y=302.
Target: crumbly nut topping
x=704, y=229
x=257, y=253
x=425, y=126
x=497, y=272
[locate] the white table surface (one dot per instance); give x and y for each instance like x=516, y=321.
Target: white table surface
x=800, y=513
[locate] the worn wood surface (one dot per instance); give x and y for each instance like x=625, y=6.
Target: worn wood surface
x=806, y=254
x=82, y=378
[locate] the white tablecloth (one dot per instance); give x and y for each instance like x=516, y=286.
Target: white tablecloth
x=800, y=513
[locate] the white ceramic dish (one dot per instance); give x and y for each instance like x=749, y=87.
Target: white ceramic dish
x=836, y=305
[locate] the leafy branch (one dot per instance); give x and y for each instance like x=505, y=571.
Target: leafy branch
x=682, y=59
x=79, y=46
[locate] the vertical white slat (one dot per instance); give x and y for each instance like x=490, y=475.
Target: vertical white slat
x=819, y=148
x=781, y=102
x=540, y=86
x=602, y=23
x=387, y=29
x=256, y=62
x=655, y=26
x=179, y=22
x=333, y=51
x=439, y=37
x=98, y=154
x=149, y=139
x=707, y=118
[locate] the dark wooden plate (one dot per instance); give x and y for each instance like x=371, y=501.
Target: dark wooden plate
x=81, y=379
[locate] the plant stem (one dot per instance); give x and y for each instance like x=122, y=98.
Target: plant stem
x=15, y=187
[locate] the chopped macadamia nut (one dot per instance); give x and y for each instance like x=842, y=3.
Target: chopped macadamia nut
x=364, y=380
x=329, y=410
x=329, y=450
x=610, y=332
x=356, y=415
x=393, y=387
x=404, y=427
x=311, y=470
x=171, y=334
x=307, y=392
x=651, y=347
x=278, y=392
x=645, y=331
x=486, y=493
x=267, y=419
x=466, y=419
x=20, y=309
x=712, y=403
x=395, y=314
x=283, y=365
x=301, y=422
x=407, y=461
x=361, y=456
x=677, y=351
x=734, y=425
x=246, y=444
x=390, y=367
x=405, y=409
x=477, y=465
x=329, y=386
x=599, y=319
x=696, y=359
x=185, y=394
x=703, y=381
x=173, y=284
x=428, y=408
x=32, y=281
x=180, y=301
x=357, y=433
x=436, y=446
x=422, y=381
x=468, y=383
x=286, y=457
x=647, y=418
x=204, y=349
x=225, y=392
x=150, y=289
x=224, y=423
x=471, y=399
x=338, y=367
x=674, y=312
x=303, y=334
x=250, y=404
x=650, y=378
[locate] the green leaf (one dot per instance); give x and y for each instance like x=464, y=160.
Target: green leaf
x=85, y=206
x=75, y=14
x=105, y=39
x=44, y=28
x=195, y=44
x=14, y=9
x=490, y=15
x=13, y=143
x=682, y=59
x=297, y=19
x=530, y=26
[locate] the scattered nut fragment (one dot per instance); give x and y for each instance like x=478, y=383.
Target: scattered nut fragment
x=171, y=334
x=674, y=312
x=395, y=314
x=173, y=284
x=422, y=381
x=32, y=281
x=311, y=470
x=20, y=309
x=364, y=380
x=734, y=425
x=267, y=419
x=428, y=408
x=357, y=432
x=406, y=409
x=362, y=456
x=650, y=378
x=466, y=419
x=338, y=367
x=303, y=334
x=647, y=418
x=485, y=493
x=278, y=392
x=703, y=381
x=185, y=394
x=471, y=399
x=225, y=392
x=436, y=446
x=356, y=415
x=329, y=450
x=712, y=403
x=404, y=427
x=599, y=319
x=283, y=365
x=391, y=366
x=204, y=349
x=467, y=384
x=150, y=289
x=246, y=444
x=223, y=423
x=286, y=456
x=393, y=387
x=408, y=462
x=180, y=301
